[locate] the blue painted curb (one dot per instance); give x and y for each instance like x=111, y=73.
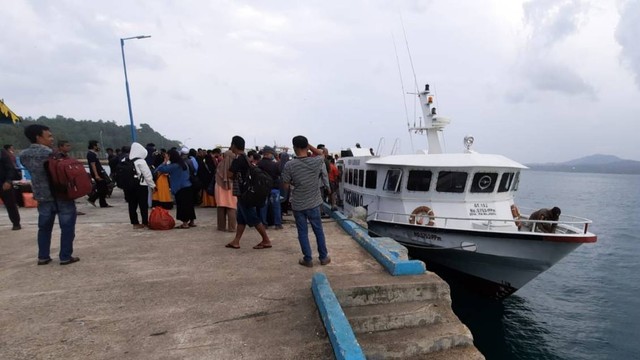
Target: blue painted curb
x=387, y=257
x=343, y=340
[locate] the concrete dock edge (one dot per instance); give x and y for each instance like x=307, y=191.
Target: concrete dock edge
x=388, y=258
x=343, y=340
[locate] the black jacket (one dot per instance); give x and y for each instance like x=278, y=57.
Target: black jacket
x=8, y=171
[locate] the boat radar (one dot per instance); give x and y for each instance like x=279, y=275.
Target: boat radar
x=433, y=123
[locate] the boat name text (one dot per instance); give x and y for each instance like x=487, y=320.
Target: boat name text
x=482, y=209
x=352, y=198
x=427, y=236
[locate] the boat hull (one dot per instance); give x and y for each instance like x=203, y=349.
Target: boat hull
x=497, y=264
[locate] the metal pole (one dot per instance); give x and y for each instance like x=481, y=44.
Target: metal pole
x=126, y=83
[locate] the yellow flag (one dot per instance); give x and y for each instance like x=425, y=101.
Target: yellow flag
x=6, y=115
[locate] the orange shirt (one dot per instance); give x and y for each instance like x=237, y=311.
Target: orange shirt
x=333, y=173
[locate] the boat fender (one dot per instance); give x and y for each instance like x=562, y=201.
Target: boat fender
x=418, y=216
x=515, y=212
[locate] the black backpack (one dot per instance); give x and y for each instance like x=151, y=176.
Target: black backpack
x=258, y=186
x=126, y=175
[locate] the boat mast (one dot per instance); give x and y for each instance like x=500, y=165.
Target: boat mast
x=433, y=124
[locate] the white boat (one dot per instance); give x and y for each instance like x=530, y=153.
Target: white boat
x=456, y=210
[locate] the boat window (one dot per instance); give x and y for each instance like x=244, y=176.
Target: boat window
x=516, y=182
x=419, y=180
x=360, y=178
x=371, y=179
x=484, y=182
x=341, y=172
x=505, y=182
x=350, y=176
x=451, y=181
x=392, y=181
x=355, y=176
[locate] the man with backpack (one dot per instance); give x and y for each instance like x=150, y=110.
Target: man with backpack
x=34, y=158
x=98, y=174
x=247, y=214
x=270, y=166
x=64, y=148
x=134, y=177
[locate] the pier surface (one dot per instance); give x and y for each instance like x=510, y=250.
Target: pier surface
x=176, y=294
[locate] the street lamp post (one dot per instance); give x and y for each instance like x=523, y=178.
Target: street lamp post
x=126, y=82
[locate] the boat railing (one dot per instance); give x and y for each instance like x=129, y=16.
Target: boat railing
x=565, y=225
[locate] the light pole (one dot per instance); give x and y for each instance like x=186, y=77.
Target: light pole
x=126, y=82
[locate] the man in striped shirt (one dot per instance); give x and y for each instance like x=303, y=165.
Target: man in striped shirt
x=302, y=174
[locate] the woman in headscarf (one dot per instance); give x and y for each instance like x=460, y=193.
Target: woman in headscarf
x=162, y=196
x=206, y=173
x=138, y=196
x=227, y=203
x=181, y=189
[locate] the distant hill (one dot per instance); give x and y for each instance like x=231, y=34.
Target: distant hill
x=597, y=163
x=79, y=132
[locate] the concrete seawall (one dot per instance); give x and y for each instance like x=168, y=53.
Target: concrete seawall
x=142, y=294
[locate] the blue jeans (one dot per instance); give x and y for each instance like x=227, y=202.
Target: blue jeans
x=274, y=200
x=67, y=214
x=313, y=215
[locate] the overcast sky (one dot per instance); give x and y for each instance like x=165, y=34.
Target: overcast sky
x=537, y=81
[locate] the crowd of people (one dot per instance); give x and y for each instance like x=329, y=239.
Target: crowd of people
x=187, y=178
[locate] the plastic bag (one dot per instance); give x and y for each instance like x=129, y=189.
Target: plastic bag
x=160, y=219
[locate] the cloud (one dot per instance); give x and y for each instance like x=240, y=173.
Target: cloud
x=552, y=21
x=549, y=24
x=627, y=34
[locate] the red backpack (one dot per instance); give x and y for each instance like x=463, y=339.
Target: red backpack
x=69, y=179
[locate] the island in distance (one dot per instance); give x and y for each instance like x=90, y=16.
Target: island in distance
x=598, y=163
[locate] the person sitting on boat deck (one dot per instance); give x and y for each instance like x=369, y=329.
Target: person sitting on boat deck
x=546, y=214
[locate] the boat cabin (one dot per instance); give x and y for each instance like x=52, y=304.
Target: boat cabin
x=448, y=189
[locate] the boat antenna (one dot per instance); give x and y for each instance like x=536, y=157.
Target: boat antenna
x=413, y=70
x=404, y=95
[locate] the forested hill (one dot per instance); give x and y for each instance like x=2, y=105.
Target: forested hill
x=79, y=132
x=593, y=164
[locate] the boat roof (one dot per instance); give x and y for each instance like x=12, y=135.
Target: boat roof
x=446, y=160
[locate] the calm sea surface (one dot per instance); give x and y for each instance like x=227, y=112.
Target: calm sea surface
x=588, y=305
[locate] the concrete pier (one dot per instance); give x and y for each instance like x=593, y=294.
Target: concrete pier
x=177, y=294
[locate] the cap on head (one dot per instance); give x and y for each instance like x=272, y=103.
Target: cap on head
x=184, y=150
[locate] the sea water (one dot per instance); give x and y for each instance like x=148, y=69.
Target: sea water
x=587, y=306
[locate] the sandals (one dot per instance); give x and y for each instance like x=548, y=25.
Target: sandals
x=183, y=226
x=262, y=246
x=230, y=246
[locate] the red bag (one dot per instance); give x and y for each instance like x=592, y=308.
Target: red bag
x=29, y=201
x=160, y=219
x=68, y=177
